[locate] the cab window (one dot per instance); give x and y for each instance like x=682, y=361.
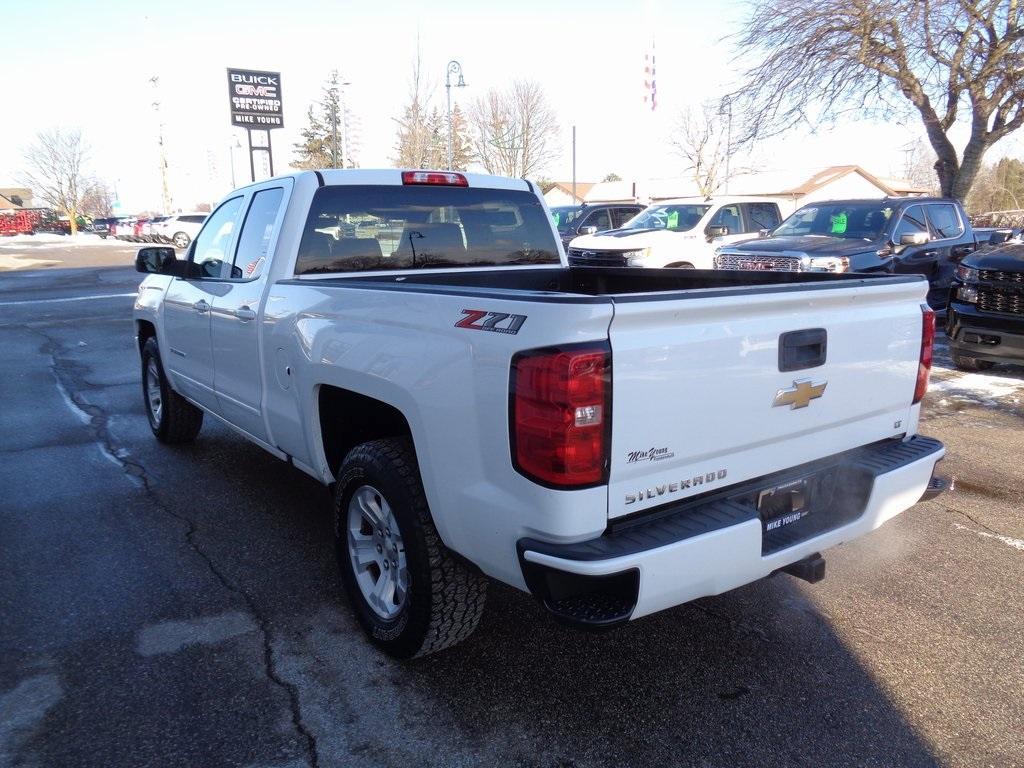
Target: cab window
x=210, y=256
x=944, y=220
x=254, y=239
x=911, y=223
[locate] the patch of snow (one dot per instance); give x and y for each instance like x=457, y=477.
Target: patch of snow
x=985, y=386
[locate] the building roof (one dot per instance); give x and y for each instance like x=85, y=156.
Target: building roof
x=582, y=188
x=7, y=193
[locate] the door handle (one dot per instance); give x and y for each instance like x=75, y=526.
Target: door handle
x=201, y=306
x=244, y=313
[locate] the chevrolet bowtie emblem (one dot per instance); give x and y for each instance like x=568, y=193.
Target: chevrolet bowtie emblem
x=800, y=394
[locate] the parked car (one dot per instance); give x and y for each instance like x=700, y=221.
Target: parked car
x=677, y=233
x=101, y=227
x=150, y=229
x=180, y=228
x=615, y=442
x=124, y=229
x=574, y=220
x=916, y=235
x=985, y=320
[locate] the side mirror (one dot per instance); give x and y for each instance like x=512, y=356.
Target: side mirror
x=914, y=238
x=588, y=231
x=716, y=231
x=763, y=232
x=156, y=261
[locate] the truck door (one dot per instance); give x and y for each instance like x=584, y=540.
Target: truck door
x=729, y=216
x=186, y=349
x=947, y=230
x=234, y=320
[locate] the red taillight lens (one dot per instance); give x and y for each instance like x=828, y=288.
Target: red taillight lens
x=924, y=367
x=560, y=415
x=437, y=178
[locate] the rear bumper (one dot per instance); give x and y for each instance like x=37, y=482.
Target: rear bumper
x=705, y=547
x=984, y=335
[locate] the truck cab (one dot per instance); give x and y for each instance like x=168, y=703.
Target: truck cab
x=680, y=233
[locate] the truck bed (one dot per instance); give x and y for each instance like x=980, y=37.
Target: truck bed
x=590, y=283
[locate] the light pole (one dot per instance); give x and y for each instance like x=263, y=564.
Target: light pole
x=725, y=106
x=454, y=68
x=337, y=115
x=231, y=154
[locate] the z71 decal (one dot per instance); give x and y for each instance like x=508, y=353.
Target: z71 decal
x=498, y=322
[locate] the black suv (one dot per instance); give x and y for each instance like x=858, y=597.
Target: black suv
x=985, y=321
x=575, y=220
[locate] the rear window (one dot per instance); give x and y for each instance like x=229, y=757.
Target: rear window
x=192, y=219
x=365, y=228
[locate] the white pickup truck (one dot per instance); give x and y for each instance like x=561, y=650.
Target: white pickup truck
x=614, y=441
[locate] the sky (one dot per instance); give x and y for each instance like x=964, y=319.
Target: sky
x=89, y=65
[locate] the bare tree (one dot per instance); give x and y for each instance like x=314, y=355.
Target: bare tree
x=514, y=131
x=55, y=171
x=699, y=139
x=940, y=59
x=98, y=199
x=919, y=167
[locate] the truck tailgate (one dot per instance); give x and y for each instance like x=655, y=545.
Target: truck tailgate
x=695, y=380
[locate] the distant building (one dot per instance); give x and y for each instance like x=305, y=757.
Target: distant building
x=13, y=198
x=560, y=193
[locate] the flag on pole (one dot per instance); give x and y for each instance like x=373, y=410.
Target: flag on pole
x=650, y=85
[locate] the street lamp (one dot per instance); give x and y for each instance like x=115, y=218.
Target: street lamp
x=454, y=68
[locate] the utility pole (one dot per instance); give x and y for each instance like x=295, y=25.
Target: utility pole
x=454, y=68
x=574, y=165
x=165, y=195
x=726, y=106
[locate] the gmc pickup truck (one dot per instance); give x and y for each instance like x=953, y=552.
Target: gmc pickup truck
x=899, y=235
x=614, y=441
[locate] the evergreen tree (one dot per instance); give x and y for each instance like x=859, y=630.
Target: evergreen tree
x=326, y=139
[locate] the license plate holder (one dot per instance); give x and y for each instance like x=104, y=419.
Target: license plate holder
x=785, y=504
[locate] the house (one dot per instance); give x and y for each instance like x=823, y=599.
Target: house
x=14, y=198
x=560, y=193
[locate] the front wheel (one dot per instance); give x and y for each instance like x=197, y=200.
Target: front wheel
x=965, y=363
x=181, y=240
x=172, y=418
x=411, y=595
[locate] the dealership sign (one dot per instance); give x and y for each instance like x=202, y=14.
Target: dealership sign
x=255, y=99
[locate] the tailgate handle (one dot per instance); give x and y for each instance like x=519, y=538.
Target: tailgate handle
x=802, y=349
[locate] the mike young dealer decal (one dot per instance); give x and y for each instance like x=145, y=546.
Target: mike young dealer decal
x=255, y=99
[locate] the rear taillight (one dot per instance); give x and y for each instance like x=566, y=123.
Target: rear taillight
x=560, y=419
x=924, y=365
x=437, y=178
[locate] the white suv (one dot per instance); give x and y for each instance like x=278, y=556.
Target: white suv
x=180, y=228
x=684, y=233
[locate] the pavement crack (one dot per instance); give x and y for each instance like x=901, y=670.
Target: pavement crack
x=974, y=520
x=67, y=376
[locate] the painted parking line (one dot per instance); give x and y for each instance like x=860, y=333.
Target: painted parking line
x=29, y=302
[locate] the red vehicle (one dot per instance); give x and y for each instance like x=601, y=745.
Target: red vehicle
x=17, y=223
x=137, y=230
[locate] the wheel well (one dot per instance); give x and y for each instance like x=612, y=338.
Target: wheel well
x=677, y=264
x=348, y=419
x=144, y=331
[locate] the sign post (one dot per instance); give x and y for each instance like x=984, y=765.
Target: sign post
x=254, y=98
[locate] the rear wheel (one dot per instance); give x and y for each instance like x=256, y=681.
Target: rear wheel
x=965, y=363
x=172, y=418
x=409, y=593
x=181, y=240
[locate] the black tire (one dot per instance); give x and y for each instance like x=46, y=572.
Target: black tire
x=181, y=240
x=445, y=597
x=176, y=420
x=680, y=265
x=965, y=363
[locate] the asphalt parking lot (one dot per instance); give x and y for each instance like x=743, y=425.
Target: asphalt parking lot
x=180, y=606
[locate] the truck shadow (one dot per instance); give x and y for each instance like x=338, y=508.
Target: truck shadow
x=754, y=677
